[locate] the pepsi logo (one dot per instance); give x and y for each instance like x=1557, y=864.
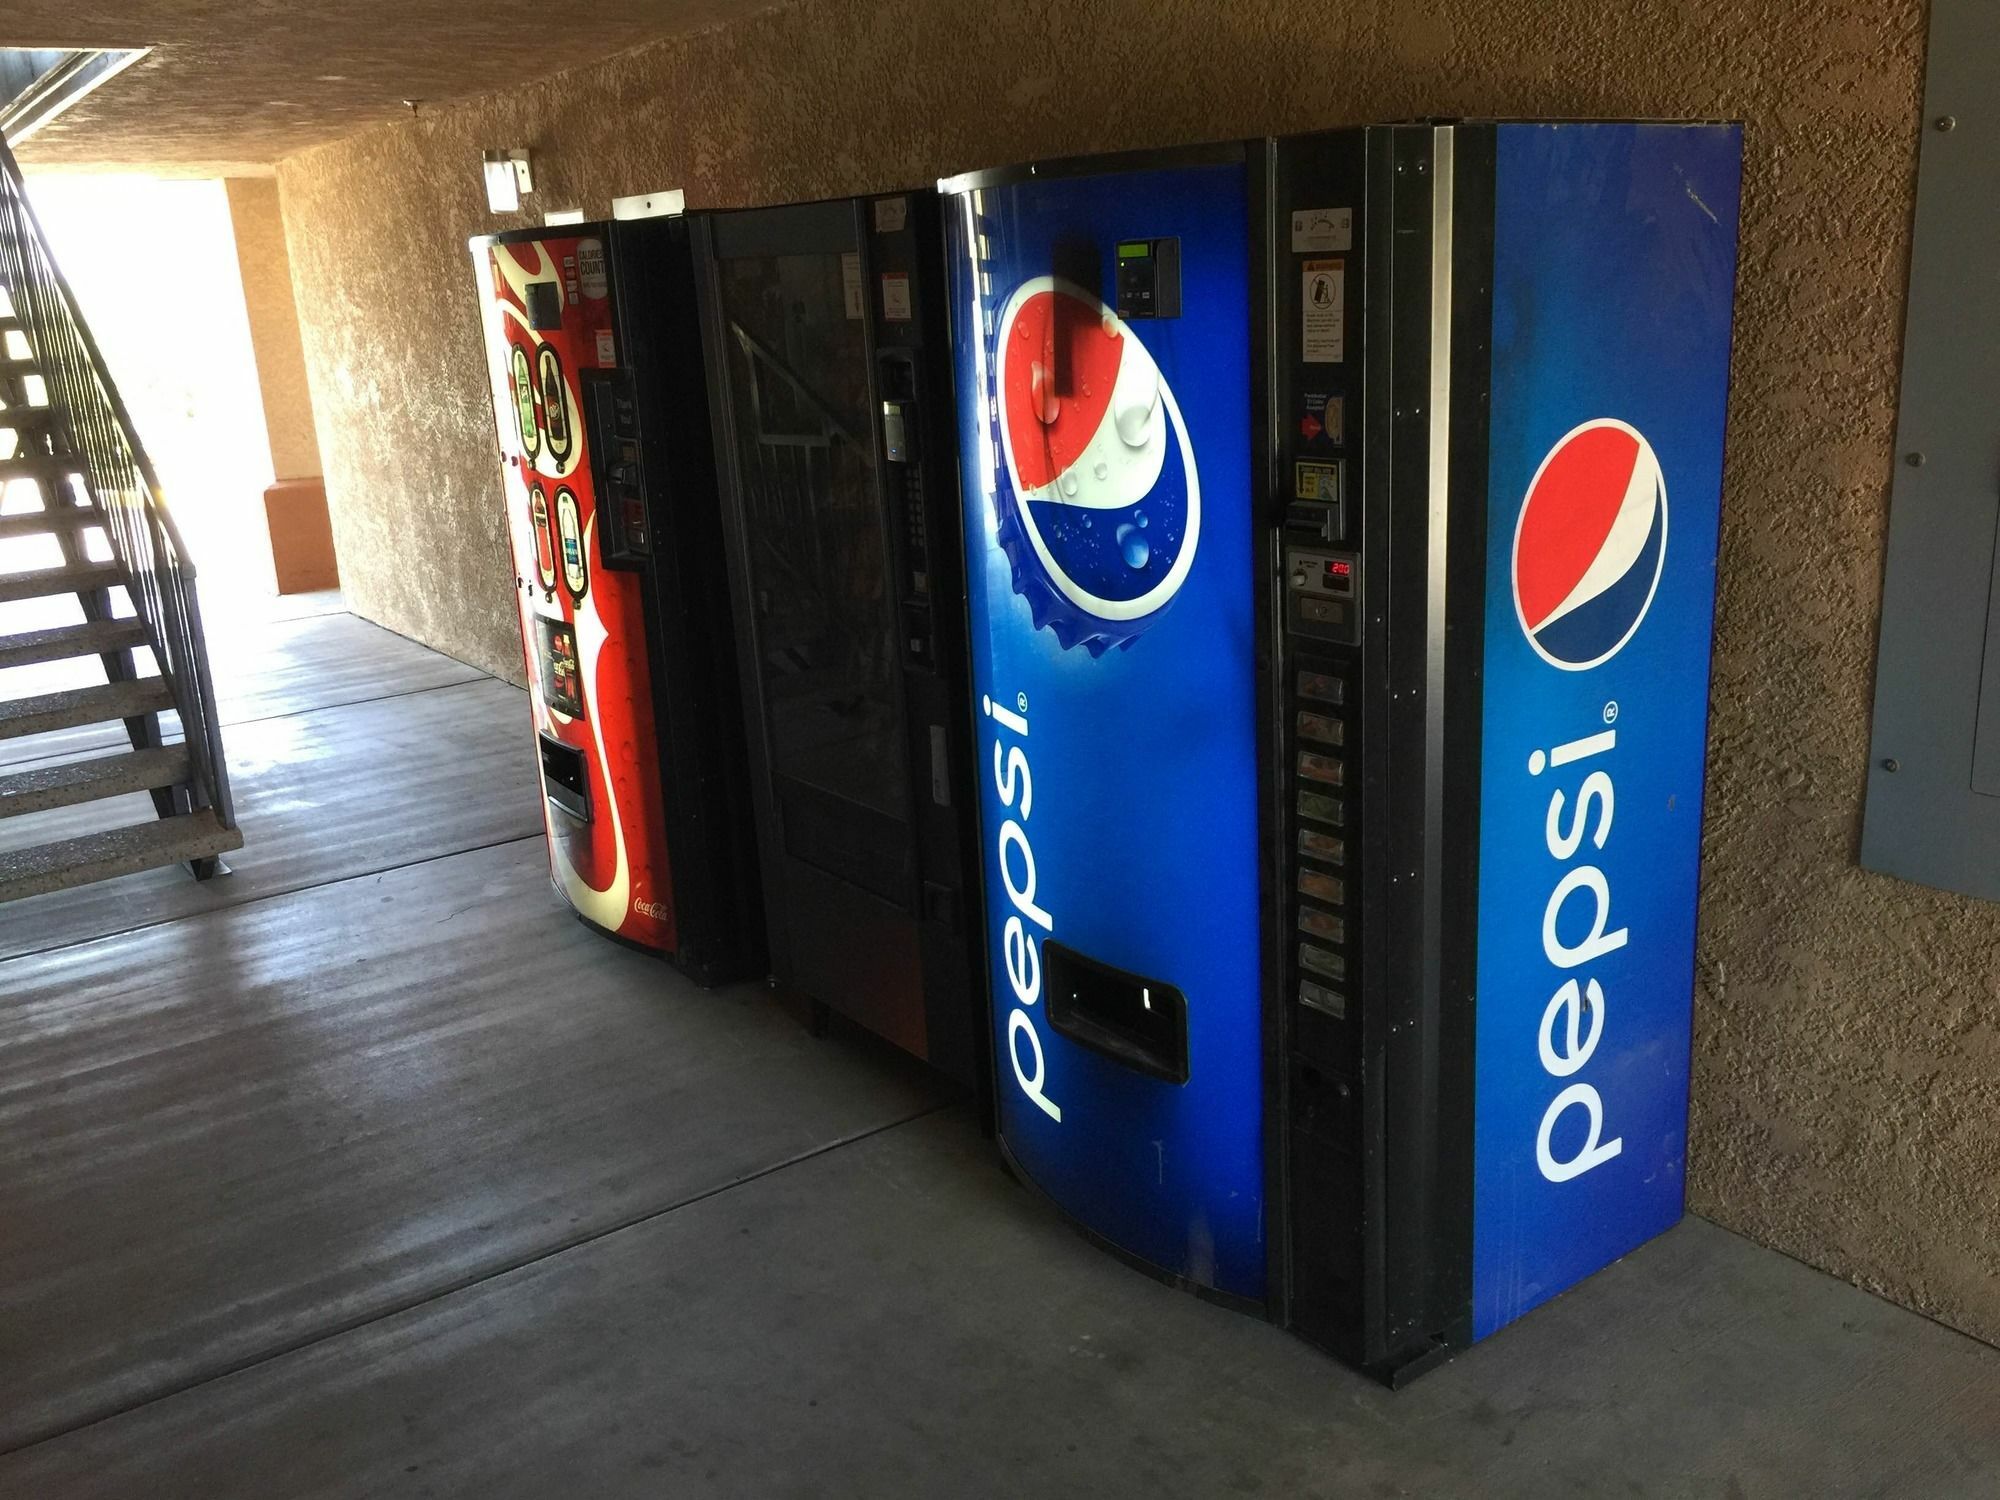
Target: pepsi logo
x=1590, y=544
x=1104, y=514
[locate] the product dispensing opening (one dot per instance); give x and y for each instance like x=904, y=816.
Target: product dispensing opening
x=1137, y=1021
x=565, y=778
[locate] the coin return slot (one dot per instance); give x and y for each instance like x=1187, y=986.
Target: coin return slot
x=1316, y=845
x=1330, y=965
x=1322, y=924
x=1326, y=768
x=1319, y=806
x=1321, y=886
x=1321, y=998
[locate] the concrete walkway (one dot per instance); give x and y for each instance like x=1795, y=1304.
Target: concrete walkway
x=367, y=1171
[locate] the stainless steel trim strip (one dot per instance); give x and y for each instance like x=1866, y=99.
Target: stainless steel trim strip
x=1437, y=532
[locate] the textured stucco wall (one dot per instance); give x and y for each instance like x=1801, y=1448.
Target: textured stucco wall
x=1847, y=1089
x=274, y=326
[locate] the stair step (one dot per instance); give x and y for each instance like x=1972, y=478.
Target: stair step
x=38, y=466
x=44, y=787
x=118, y=851
x=88, y=705
x=87, y=639
x=57, y=518
x=26, y=418
x=74, y=578
x=27, y=364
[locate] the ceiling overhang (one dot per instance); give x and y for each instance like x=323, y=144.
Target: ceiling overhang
x=229, y=87
x=39, y=83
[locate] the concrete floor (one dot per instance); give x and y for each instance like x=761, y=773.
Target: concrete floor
x=369, y=1172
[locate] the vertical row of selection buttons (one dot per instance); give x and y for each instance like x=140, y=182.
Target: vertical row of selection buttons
x=916, y=530
x=1320, y=864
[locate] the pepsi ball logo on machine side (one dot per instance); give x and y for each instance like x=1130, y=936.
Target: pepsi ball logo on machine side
x=1590, y=544
x=1104, y=516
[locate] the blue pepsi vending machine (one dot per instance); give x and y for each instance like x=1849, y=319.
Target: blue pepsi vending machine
x=1341, y=523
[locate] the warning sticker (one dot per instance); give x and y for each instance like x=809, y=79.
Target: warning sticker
x=896, y=296
x=607, y=348
x=1315, y=481
x=850, y=284
x=1321, y=423
x=1316, y=229
x=1324, y=312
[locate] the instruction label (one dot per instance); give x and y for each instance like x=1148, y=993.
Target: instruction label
x=896, y=296
x=1320, y=421
x=1316, y=229
x=891, y=214
x=1313, y=480
x=1323, y=311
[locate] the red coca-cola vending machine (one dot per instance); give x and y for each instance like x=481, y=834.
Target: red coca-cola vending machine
x=607, y=459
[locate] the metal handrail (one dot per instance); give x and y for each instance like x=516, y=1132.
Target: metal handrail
x=89, y=417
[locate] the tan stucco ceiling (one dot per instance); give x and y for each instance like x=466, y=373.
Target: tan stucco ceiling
x=232, y=85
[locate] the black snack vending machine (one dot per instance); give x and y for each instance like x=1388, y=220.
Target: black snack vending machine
x=830, y=378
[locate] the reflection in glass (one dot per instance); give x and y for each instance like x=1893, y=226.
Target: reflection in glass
x=819, y=575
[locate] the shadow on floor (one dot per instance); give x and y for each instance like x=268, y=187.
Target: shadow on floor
x=389, y=1178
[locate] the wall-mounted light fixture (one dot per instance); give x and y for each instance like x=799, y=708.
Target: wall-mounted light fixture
x=509, y=174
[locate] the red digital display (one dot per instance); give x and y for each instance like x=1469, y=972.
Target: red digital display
x=1340, y=567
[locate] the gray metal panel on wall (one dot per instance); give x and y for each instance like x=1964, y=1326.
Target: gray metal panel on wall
x=1933, y=811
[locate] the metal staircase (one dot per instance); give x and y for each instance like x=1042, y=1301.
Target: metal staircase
x=72, y=472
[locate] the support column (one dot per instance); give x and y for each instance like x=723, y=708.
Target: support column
x=302, y=556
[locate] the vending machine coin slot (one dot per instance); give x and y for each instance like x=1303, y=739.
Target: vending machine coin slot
x=896, y=433
x=1318, y=500
x=1317, y=519
x=1149, y=278
x=1322, y=594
